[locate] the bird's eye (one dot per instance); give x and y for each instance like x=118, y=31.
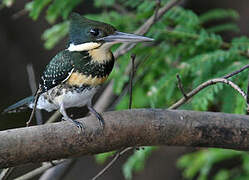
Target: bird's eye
x=94, y=32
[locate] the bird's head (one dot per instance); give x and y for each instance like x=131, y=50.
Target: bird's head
x=86, y=34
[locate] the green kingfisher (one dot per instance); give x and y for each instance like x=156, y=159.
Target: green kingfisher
x=74, y=75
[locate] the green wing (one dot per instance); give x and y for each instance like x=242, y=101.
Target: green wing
x=58, y=70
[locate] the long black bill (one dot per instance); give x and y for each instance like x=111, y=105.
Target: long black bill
x=125, y=37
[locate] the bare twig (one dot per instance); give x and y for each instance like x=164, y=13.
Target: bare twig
x=31, y=76
x=145, y=27
x=54, y=117
x=34, y=108
x=19, y=14
x=33, y=87
x=120, y=8
x=59, y=171
x=38, y=171
x=135, y=80
x=212, y=82
x=204, y=85
x=180, y=86
x=247, y=97
x=133, y=56
x=158, y=4
x=236, y=72
x=6, y=173
x=117, y=155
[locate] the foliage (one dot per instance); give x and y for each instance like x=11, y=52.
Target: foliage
x=186, y=47
x=136, y=162
x=54, y=34
x=202, y=162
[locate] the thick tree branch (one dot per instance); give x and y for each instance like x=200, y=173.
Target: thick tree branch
x=128, y=128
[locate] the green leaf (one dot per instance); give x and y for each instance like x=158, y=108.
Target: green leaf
x=222, y=175
x=102, y=157
x=224, y=27
x=103, y=3
x=54, y=34
x=202, y=161
x=36, y=7
x=60, y=8
x=216, y=14
x=136, y=162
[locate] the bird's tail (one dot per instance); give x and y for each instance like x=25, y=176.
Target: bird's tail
x=20, y=105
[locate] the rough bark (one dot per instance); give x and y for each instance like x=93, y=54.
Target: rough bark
x=138, y=127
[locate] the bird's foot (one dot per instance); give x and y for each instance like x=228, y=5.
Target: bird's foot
x=78, y=124
x=101, y=120
x=97, y=115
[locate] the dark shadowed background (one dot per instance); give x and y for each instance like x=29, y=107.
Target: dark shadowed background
x=21, y=44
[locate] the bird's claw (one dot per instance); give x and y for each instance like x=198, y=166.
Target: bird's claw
x=97, y=115
x=78, y=124
x=101, y=120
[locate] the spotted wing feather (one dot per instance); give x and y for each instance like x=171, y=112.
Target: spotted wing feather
x=57, y=71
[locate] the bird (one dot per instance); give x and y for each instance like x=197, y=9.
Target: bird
x=74, y=75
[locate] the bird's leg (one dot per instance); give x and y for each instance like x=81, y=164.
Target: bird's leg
x=65, y=117
x=98, y=116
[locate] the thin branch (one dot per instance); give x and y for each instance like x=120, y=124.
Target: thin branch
x=247, y=97
x=54, y=117
x=19, y=14
x=117, y=155
x=59, y=171
x=120, y=8
x=38, y=171
x=204, y=85
x=34, y=108
x=33, y=87
x=158, y=5
x=137, y=64
x=180, y=86
x=133, y=56
x=146, y=26
x=136, y=127
x=236, y=72
x=6, y=173
x=31, y=76
x=211, y=82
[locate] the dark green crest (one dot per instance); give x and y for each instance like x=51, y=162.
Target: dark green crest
x=84, y=30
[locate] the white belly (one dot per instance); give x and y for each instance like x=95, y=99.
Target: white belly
x=52, y=100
